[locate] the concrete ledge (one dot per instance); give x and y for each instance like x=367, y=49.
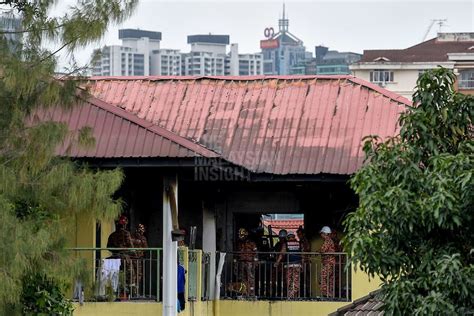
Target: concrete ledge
x=222, y=308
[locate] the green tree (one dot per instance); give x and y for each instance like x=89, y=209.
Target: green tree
x=414, y=224
x=41, y=194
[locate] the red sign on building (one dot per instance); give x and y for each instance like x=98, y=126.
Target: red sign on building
x=270, y=43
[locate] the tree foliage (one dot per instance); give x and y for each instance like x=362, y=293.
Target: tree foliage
x=41, y=194
x=414, y=224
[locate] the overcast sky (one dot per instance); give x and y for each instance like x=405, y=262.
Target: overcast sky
x=348, y=25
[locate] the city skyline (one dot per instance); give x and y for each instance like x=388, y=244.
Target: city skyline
x=371, y=27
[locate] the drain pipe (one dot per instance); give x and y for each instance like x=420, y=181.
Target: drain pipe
x=217, y=291
x=171, y=234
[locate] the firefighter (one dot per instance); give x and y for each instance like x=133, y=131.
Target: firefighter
x=278, y=274
x=263, y=244
x=293, y=267
x=247, y=256
x=263, y=266
x=305, y=246
x=328, y=263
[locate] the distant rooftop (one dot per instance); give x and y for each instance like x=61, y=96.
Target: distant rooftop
x=433, y=50
x=209, y=39
x=135, y=33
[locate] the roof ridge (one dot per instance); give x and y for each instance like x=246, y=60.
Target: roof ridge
x=163, y=132
x=422, y=43
x=226, y=78
x=389, y=94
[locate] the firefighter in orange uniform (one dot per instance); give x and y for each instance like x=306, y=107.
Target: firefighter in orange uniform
x=293, y=267
x=247, y=256
x=328, y=263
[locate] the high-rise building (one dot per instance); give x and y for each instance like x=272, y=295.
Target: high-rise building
x=283, y=52
x=165, y=62
x=207, y=56
x=140, y=55
x=10, y=23
x=332, y=62
x=132, y=58
x=243, y=64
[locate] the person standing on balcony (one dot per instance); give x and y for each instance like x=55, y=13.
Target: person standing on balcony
x=293, y=267
x=305, y=246
x=328, y=262
x=278, y=274
x=120, y=238
x=280, y=246
x=139, y=241
x=263, y=266
x=247, y=255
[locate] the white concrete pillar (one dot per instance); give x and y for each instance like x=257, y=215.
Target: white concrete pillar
x=209, y=244
x=170, y=252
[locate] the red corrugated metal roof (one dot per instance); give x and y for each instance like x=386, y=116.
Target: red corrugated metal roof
x=278, y=124
x=119, y=133
x=290, y=225
x=284, y=223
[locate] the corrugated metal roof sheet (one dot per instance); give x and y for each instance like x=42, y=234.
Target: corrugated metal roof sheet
x=118, y=133
x=278, y=125
x=370, y=305
x=291, y=225
x=284, y=223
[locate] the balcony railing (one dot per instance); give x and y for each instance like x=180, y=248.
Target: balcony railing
x=206, y=276
x=120, y=274
x=136, y=274
x=297, y=276
x=466, y=84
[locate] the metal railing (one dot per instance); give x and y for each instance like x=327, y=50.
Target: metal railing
x=193, y=274
x=296, y=276
x=120, y=274
x=206, y=276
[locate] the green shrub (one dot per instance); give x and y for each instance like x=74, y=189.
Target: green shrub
x=43, y=296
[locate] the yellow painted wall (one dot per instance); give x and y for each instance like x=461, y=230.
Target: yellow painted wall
x=140, y=308
x=226, y=308
x=119, y=308
x=85, y=232
x=275, y=308
x=361, y=286
x=106, y=228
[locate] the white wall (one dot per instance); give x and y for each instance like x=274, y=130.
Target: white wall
x=209, y=243
x=404, y=81
x=405, y=75
x=234, y=59
x=115, y=61
x=212, y=48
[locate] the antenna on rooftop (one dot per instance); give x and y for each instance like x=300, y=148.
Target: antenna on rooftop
x=283, y=22
x=439, y=22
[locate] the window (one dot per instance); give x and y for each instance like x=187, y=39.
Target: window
x=381, y=76
x=466, y=79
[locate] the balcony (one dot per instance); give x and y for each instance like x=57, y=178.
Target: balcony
x=119, y=274
x=302, y=276
x=135, y=274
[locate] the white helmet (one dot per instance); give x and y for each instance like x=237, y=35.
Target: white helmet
x=325, y=230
